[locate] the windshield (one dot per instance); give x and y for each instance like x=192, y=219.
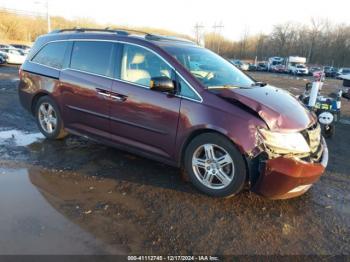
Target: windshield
x=300, y=66
x=209, y=68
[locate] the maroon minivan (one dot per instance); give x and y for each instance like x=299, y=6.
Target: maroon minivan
x=171, y=100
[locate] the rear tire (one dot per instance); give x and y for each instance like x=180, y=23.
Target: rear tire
x=215, y=166
x=49, y=119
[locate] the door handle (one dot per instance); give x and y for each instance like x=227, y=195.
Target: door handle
x=104, y=94
x=120, y=98
x=112, y=96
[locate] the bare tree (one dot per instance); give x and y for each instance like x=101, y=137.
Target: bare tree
x=320, y=41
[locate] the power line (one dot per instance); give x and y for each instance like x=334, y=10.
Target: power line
x=198, y=33
x=219, y=27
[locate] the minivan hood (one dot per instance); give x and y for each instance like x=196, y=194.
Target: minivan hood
x=278, y=108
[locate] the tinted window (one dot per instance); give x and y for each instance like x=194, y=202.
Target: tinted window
x=93, y=57
x=140, y=65
x=51, y=55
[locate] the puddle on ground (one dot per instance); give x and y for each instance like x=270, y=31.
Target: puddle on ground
x=29, y=224
x=344, y=121
x=19, y=138
x=53, y=211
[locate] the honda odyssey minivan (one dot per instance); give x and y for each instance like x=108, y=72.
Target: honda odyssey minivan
x=173, y=101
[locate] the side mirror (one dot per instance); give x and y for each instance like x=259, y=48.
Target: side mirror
x=162, y=84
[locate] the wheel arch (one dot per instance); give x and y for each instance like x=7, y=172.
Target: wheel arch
x=36, y=98
x=198, y=132
x=201, y=131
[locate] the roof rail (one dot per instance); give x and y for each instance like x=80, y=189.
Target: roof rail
x=131, y=30
x=169, y=38
x=82, y=30
x=125, y=32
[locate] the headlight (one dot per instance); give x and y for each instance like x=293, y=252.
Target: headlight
x=285, y=143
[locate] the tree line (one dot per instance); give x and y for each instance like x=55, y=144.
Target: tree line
x=25, y=28
x=321, y=42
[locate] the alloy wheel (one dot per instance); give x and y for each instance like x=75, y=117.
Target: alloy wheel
x=213, y=166
x=47, y=118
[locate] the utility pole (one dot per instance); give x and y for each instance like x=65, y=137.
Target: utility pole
x=46, y=5
x=219, y=27
x=198, y=33
x=48, y=17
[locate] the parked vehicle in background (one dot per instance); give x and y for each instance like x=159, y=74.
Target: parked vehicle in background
x=314, y=69
x=330, y=71
x=3, y=58
x=300, y=69
x=280, y=68
x=240, y=64
x=273, y=62
x=296, y=65
x=252, y=67
x=346, y=84
x=14, y=56
x=342, y=71
x=5, y=46
x=141, y=93
x=24, y=48
x=262, y=66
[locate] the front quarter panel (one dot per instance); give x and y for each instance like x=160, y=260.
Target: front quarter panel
x=238, y=125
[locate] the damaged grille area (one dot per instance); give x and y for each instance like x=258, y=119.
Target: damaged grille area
x=313, y=138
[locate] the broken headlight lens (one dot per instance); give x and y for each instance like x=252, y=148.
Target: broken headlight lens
x=285, y=143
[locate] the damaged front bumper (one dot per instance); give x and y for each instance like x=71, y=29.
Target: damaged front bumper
x=284, y=177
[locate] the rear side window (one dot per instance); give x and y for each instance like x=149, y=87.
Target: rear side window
x=51, y=55
x=93, y=57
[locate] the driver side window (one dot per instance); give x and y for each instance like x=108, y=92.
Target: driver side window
x=140, y=65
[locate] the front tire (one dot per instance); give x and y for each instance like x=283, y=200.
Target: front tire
x=49, y=119
x=215, y=166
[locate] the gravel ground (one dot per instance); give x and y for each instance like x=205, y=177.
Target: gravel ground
x=117, y=203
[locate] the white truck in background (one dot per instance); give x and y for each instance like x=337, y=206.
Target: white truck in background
x=297, y=65
x=273, y=62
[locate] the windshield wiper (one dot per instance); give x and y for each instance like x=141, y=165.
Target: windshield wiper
x=222, y=86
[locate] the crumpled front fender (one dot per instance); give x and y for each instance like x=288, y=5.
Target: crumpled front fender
x=282, y=177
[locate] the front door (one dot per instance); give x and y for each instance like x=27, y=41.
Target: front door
x=140, y=117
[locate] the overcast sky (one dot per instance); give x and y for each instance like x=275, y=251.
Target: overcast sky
x=181, y=15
